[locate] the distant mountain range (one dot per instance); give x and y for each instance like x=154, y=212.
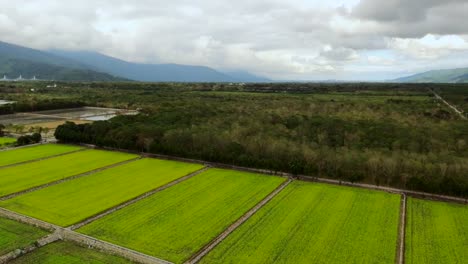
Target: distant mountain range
x=438, y=76
x=91, y=66
x=62, y=65
x=18, y=61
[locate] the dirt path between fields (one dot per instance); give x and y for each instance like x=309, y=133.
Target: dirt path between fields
x=23, y=251
x=137, y=199
x=65, y=234
x=212, y=244
x=13, y=195
x=459, y=112
x=40, y=159
x=400, y=255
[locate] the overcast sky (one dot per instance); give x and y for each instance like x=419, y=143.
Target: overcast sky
x=280, y=39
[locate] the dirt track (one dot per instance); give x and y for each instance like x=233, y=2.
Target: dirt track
x=60, y=233
x=460, y=113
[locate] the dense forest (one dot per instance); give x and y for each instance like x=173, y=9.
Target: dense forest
x=383, y=134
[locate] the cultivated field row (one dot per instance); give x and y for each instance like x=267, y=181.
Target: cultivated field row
x=416, y=194
x=187, y=212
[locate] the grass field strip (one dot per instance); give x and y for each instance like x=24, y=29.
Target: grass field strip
x=91, y=242
x=39, y=159
x=402, y=232
x=137, y=199
x=13, y=195
x=212, y=244
x=437, y=232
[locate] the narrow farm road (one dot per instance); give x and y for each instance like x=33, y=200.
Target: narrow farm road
x=38, y=244
x=402, y=232
x=65, y=234
x=460, y=113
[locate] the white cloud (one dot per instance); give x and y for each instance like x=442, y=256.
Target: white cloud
x=430, y=46
x=306, y=39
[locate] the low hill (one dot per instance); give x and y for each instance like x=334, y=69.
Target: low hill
x=438, y=76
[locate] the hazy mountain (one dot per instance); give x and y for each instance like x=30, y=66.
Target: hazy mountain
x=146, y=72
x=438, y=76
x=16, y=60
x=243, y=76
x=91, y=66
x=155, y=72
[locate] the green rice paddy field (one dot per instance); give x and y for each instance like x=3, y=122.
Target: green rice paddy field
x=14, y=235
x=316, y=223
x=177, y=222
x=31, y=153
x=68, y=253
x=436, y=232
x=4, y=141
x=305, y=223
x=23, y=177
x=69, y=202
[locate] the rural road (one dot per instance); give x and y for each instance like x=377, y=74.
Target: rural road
x=460, y=113
x=60, y=233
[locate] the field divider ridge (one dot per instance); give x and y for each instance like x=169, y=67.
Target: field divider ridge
x=41, y=159
x=400, y=254
x=43, y=186
x=65, y=234
x=136, y=199
x=14, y=254
x=217, y=240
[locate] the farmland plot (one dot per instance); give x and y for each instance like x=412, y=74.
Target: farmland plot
x=68, y=253
x=436, y=232
x=23, y=177
x=9, y=157
x=69, y=202
x=315, y=223
x=14, y=235
x=177, y=222
x=4, y=141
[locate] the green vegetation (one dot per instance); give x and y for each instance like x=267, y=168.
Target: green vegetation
x=29, y=139
x=23, y=177
x=31, y=153
x=175, y=223
x=68, y=253
x=4, y=141
x=436, y=232
x=14, y=235
x=72, y=201
x=383, y=134
x=315, y=223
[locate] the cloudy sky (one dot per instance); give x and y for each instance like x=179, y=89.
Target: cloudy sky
x=294, y=39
